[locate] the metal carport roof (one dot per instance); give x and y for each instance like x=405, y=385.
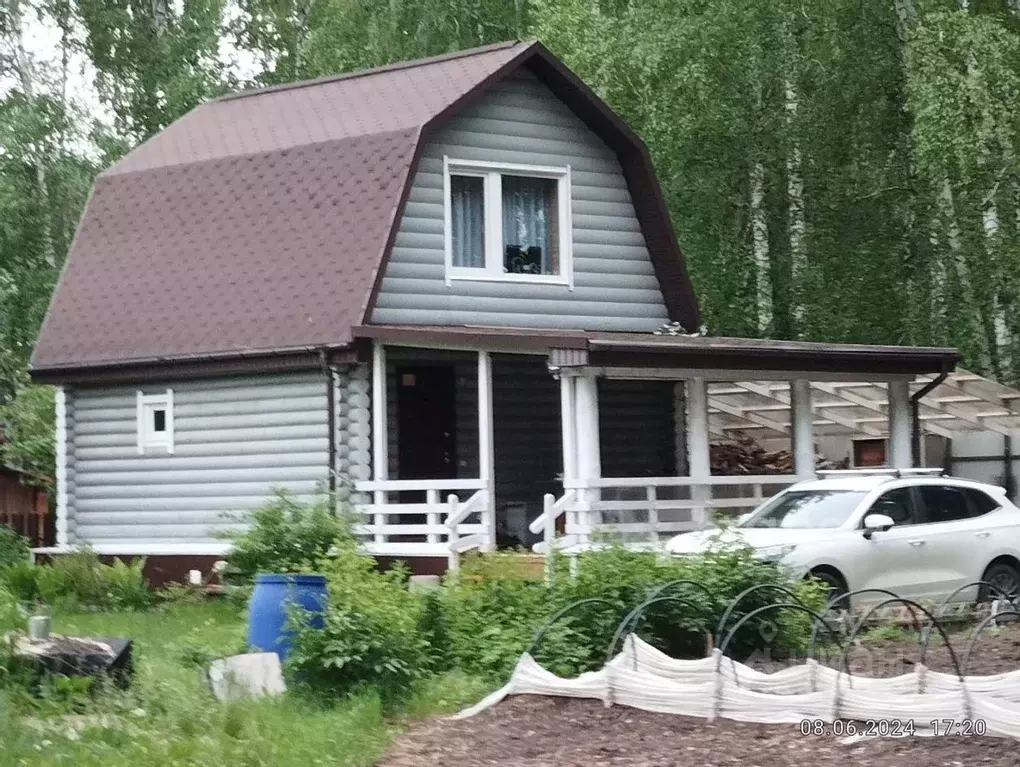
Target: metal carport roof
x=963, y=402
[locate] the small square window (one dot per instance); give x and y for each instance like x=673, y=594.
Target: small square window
x=155, y=422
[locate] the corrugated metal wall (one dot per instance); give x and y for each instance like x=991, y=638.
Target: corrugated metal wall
x=235, y=439
x=522, y=122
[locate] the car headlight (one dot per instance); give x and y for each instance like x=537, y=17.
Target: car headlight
x=774, y=553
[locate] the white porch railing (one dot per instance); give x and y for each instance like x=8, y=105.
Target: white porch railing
x=438, y=527
x=645, y=509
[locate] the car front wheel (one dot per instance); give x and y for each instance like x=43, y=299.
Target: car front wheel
x=1006, y=580
x=837, y=588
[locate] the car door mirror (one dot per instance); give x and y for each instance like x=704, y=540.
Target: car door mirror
x=874, y=523
x=744, y=517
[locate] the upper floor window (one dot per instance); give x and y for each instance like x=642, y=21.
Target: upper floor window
x=155, y=425
x=507, y=222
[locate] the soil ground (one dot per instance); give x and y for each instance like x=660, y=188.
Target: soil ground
x=531, y=731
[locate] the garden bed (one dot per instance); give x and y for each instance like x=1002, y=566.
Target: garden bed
x=529, y=730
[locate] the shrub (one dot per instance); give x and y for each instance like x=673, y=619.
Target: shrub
x=14, y=549
x=371, y=636
x=493, y=612
x=80, y=579
x=12, y=616
x=434, y=629
x=22, y=580
x=353, y=651
x=287, y=536
x=12, y=619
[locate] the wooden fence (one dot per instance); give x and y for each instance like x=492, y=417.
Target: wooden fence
x=25, y=508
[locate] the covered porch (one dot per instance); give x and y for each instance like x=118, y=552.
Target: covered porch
x=501, y=437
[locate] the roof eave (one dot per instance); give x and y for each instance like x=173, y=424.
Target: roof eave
x=828, y=359
x=194, y=366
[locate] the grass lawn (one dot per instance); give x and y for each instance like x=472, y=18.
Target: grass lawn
x=171, y=719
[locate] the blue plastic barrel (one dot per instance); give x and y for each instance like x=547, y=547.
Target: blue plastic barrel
x=269, y=611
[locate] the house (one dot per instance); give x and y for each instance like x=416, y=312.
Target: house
x=440, y=284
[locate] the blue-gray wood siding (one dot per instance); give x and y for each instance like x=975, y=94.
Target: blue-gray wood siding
x=522, y=122
x=234, y=441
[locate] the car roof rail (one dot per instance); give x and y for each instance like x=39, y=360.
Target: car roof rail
x=882, y=472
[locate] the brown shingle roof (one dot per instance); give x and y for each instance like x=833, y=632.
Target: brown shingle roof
x=260, y=222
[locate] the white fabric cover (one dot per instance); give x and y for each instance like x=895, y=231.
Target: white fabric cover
x=643, y=677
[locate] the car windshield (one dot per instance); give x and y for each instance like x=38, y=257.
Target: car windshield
x=811, y=509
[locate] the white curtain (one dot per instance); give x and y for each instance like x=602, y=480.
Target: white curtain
x=529, y=206
x=467, y=219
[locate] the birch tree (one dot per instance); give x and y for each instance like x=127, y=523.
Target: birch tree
x=154, y=59
x=22, y=65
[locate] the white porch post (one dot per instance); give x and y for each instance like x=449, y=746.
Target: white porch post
x=899, y=425
x=803, y=428
x=63, y=538
x=698, y=458
x=486, y=456
x=568, y=436
x=380, y=443
x=568, y=427
x=589, y=461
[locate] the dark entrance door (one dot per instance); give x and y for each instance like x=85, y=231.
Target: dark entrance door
x=426, y=422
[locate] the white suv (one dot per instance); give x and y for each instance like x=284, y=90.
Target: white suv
x=915, y=536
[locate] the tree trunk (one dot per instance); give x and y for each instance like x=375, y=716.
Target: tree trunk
x=960, y=270
x=760, y=239
x=795, y=203
x=26, y=75
x=160, y=16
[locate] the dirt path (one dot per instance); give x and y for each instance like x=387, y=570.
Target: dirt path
x=536, y=732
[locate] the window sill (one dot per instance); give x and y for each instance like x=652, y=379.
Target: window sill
x=527, y=279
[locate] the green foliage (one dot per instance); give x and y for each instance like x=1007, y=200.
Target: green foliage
x=354, y=651
x=434, y=629
x=494, y=611
x=371, y=636
x=180, y=594
x=154, y=61
x=169, y=716
x=81, y=580
x=887, y=632
x=30, y=428
x=287, y=535
x=22, y=580
x=299, y=39
x=13, y=618
x=14, y=548
x=445, y=694
x=12, y=615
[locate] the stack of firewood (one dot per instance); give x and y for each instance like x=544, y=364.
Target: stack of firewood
x=743, y=455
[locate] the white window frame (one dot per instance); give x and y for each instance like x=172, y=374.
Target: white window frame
x=492, y=173
x=145, y=405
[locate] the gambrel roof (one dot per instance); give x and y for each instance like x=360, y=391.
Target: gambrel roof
x=258, y=225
